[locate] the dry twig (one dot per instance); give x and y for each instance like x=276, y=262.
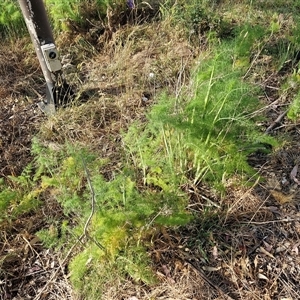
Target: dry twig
x=208, y=281
x=272, y=221
x=276, y=122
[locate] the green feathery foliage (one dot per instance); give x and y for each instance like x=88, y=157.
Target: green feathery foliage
x=20, y=196
x=123, y=215
x=206, y=137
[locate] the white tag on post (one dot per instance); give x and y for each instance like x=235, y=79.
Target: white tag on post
x=51, y=57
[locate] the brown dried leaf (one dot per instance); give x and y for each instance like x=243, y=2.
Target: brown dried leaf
x=262, y=276
x=281, y=197
x=166, y=270
x=211, y=269
x=255, y=262
x=295, y=249
x=215, y=252
x=264, y=251
x=268, y=246
x=294, y=174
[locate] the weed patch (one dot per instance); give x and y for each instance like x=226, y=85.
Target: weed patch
x=20, y=196
x=208, y=136
x=122, y=221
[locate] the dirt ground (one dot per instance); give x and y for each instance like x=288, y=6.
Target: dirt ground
x=252, y=253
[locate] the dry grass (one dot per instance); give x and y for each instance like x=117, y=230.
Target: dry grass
x=117, y=86
x=26, y=267
x=20, y=82
x=184, y=284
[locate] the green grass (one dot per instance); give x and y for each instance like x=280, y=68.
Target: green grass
x=280, y=6
x=64, y=15
x=11, y=19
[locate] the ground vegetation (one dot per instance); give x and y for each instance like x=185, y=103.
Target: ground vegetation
x=173, y=174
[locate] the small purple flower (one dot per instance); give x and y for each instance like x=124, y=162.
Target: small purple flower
x=130, y=4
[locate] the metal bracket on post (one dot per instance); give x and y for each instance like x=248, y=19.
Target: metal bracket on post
x=36, y=20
